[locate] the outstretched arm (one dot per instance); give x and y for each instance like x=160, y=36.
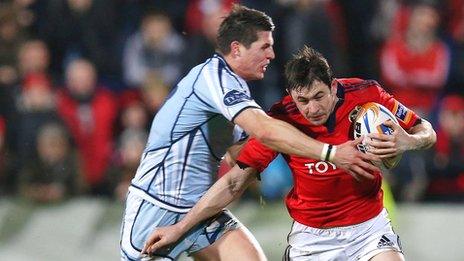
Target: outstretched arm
x=283, y=137
x=224, y=191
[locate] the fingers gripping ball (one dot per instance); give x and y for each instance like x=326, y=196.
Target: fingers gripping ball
x=370, y=118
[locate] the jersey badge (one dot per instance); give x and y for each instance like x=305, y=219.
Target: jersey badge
x=234, y=97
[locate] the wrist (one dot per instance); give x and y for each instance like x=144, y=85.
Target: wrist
x=328, y=152
x=183, y=226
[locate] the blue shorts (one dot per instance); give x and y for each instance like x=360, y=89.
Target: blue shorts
x=142, y=217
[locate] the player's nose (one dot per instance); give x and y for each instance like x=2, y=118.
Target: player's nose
x=270, y=54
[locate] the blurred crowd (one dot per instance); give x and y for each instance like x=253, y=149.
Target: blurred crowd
x=80, y=81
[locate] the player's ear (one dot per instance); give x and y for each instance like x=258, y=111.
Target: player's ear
x=333, y=86
x=235, y=48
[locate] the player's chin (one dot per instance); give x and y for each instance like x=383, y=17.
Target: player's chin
x=259, y=76
x=317, y=121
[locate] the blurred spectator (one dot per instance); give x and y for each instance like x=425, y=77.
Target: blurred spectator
x=446, y=170
x=309, y=22
x=36, y=107
x=202, y=39
x=415, y=64
x=33, y=58
x=10, y=40
x=356, y=18
x=454, y=25
x=52, y=175
x=4, y=175
x=199, y=11
x=81, y=29
x=33, y=97
x=89, y=111
x=156, y=47
x=130, y=148
x=154, y=92
x=134, y=116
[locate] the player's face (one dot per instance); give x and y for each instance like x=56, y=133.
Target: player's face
x=253, y=61
x=315, y=103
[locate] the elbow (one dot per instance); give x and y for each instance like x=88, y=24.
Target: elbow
x=264, y=135
x=433, y=139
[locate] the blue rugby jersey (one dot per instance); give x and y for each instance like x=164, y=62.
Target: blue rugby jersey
x=178, y=164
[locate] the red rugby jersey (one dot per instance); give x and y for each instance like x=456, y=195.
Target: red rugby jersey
x=323, y=195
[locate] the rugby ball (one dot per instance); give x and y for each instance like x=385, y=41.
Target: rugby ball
x=370, y=118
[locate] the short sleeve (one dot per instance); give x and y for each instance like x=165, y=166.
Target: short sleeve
x=406, y=117
x=223, y=90
x=256, y=155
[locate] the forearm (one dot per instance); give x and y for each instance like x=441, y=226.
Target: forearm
x=283, y=137
x=422, y=136
x=223, y=192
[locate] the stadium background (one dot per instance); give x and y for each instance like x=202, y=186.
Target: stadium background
x=80, y=81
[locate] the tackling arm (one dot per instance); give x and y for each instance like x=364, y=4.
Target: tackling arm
x=224, y=191
x=283, y=137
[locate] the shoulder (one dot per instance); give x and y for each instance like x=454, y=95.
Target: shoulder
x=284, y=108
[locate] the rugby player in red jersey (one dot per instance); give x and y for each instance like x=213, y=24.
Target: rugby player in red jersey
x=336, y=216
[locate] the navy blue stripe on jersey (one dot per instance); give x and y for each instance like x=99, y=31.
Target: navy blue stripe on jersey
x=341, y=92
x=160, y=200
x=209, y=146
x=163, y=169
x=132, y=228
x=221, y=58
x=127, y=255
x=152, y=168
x=331, y=121
x=235, y=77
x=240, y=111
x=193, y=92
x=205, y=103
x=359, y=86
x=194, y=130
x=177, y=117
x=169, y=150
x=184, y=165
x=221, y=66
x=155, y=149
x=156, y=174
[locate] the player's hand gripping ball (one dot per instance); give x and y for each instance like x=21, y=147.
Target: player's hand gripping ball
x=370, y=118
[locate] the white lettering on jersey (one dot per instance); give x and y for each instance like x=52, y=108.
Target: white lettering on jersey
x=320, y=167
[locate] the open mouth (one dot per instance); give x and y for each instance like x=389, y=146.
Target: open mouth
x=264, y=68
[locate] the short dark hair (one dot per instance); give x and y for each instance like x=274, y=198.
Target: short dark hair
x=242, y=25
x=306, y=67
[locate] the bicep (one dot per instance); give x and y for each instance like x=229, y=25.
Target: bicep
x=252, y=120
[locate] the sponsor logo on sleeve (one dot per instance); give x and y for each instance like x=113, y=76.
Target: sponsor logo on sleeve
x=234, y=97
x=402, y=112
